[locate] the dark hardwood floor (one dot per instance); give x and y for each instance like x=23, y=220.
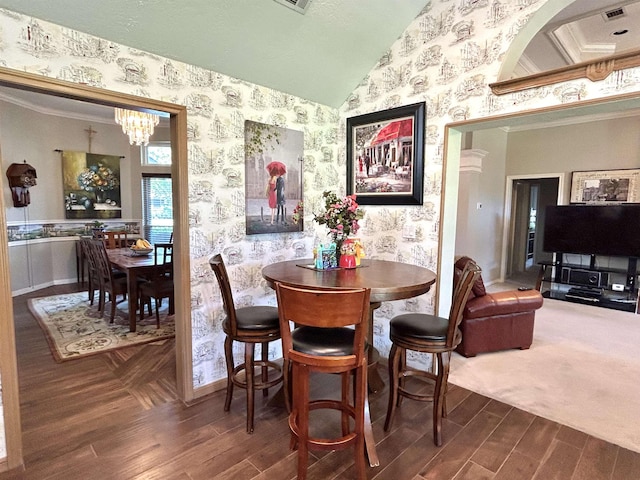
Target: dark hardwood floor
x=115, y=416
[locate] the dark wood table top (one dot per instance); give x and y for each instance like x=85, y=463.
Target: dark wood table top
x=122, y=258
x=387, y=280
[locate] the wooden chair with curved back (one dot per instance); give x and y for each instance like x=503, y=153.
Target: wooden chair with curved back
x=93, y=278
x=109, y=282
x=158, y=282
x=329, y=335
x=421, y=332
x=250, y=325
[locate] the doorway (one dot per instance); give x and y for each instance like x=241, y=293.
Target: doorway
x=178, y=127
x=525, y=249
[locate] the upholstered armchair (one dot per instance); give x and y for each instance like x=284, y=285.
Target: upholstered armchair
x=496, y=321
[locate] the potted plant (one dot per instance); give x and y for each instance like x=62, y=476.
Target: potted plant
x=97, y=228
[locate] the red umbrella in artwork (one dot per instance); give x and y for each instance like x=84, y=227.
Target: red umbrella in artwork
x=394, y=130
x=276, y=169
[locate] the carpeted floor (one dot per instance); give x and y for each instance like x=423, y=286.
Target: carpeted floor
x=583, y=370
x=75, y=329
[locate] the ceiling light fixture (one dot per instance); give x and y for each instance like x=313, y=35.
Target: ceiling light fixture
x=138, y=125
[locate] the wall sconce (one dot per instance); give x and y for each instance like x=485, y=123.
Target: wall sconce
x=21, y=176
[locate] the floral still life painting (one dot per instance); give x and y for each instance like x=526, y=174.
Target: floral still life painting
x=91, y=185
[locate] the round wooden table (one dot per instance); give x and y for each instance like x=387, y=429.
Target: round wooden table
x=387, y=281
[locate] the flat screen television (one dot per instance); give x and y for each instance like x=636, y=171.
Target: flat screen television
x=612, y=230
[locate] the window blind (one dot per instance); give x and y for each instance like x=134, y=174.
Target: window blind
x=157, y=208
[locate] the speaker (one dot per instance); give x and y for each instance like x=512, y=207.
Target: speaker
x=587, y=278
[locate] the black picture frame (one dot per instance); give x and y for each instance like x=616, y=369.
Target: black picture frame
x=393, y=141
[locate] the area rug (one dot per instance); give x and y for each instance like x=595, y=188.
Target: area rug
x=75, y=329
x=583, y=371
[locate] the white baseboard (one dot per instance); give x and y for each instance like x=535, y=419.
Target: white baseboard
x=35, y=288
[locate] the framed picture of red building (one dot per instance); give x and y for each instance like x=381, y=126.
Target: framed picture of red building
x=385, y=156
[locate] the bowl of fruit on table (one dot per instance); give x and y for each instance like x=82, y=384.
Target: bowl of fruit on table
x=141, y=248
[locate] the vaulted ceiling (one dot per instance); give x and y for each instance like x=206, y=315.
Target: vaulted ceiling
x=321, y=55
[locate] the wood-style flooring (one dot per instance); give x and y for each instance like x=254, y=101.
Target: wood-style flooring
x=115, y=416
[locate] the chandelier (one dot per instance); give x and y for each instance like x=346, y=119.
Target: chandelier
x=138, y=125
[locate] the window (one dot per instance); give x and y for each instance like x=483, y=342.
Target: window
x=157, y=153
x=157, y=207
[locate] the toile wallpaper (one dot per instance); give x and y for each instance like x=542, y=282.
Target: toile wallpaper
x=446, y=57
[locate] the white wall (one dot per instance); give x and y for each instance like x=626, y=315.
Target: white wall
x=604, y=144
x=599, y=145
x=30, y=136
x=33, y=136
x=480, y=219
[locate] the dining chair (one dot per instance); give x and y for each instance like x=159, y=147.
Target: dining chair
x=425, y=333
x=93, y=277
x=158, y=282
x=324, y=331
x=109, y=282
x=115, y=239
x=249, y=325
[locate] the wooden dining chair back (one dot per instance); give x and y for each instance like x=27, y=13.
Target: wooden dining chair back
x=250, y=325
x=110, y=283
x=324, y=331
x=425, y=333
x=158, y=282
x=115, y=239
x=93, y=277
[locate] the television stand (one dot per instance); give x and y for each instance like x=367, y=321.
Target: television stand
x=591, y=285
x=584, y=293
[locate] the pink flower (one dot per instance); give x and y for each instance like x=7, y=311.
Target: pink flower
x=340, y=216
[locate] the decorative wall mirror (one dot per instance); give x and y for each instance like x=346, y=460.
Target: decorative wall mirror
x=585, y=39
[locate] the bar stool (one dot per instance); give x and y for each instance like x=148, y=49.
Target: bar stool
x=329, y=337
x=250, y=325
x=426, y=333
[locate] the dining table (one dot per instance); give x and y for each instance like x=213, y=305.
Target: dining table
x=387, y=280
x=134, y=265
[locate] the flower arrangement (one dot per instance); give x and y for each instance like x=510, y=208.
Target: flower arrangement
x=298, y=212
x=341, y=215
x=98, y=177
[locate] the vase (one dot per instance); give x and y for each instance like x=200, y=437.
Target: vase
x=340, y=243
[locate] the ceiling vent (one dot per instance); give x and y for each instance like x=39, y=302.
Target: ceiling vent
x=614, y=14
x=299, y=6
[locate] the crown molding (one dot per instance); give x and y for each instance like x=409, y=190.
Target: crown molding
x=38, y=106
x=595, y=70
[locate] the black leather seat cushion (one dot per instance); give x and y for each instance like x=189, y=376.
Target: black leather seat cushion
x=419, y=325
x=323, y=341
x=256, y=318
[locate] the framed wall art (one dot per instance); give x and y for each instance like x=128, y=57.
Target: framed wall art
x=385, y=156
x=91, y=185
x=273, y=178
x=606, y=186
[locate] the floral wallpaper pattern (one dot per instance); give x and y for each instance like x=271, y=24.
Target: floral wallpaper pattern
x=446, y=57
